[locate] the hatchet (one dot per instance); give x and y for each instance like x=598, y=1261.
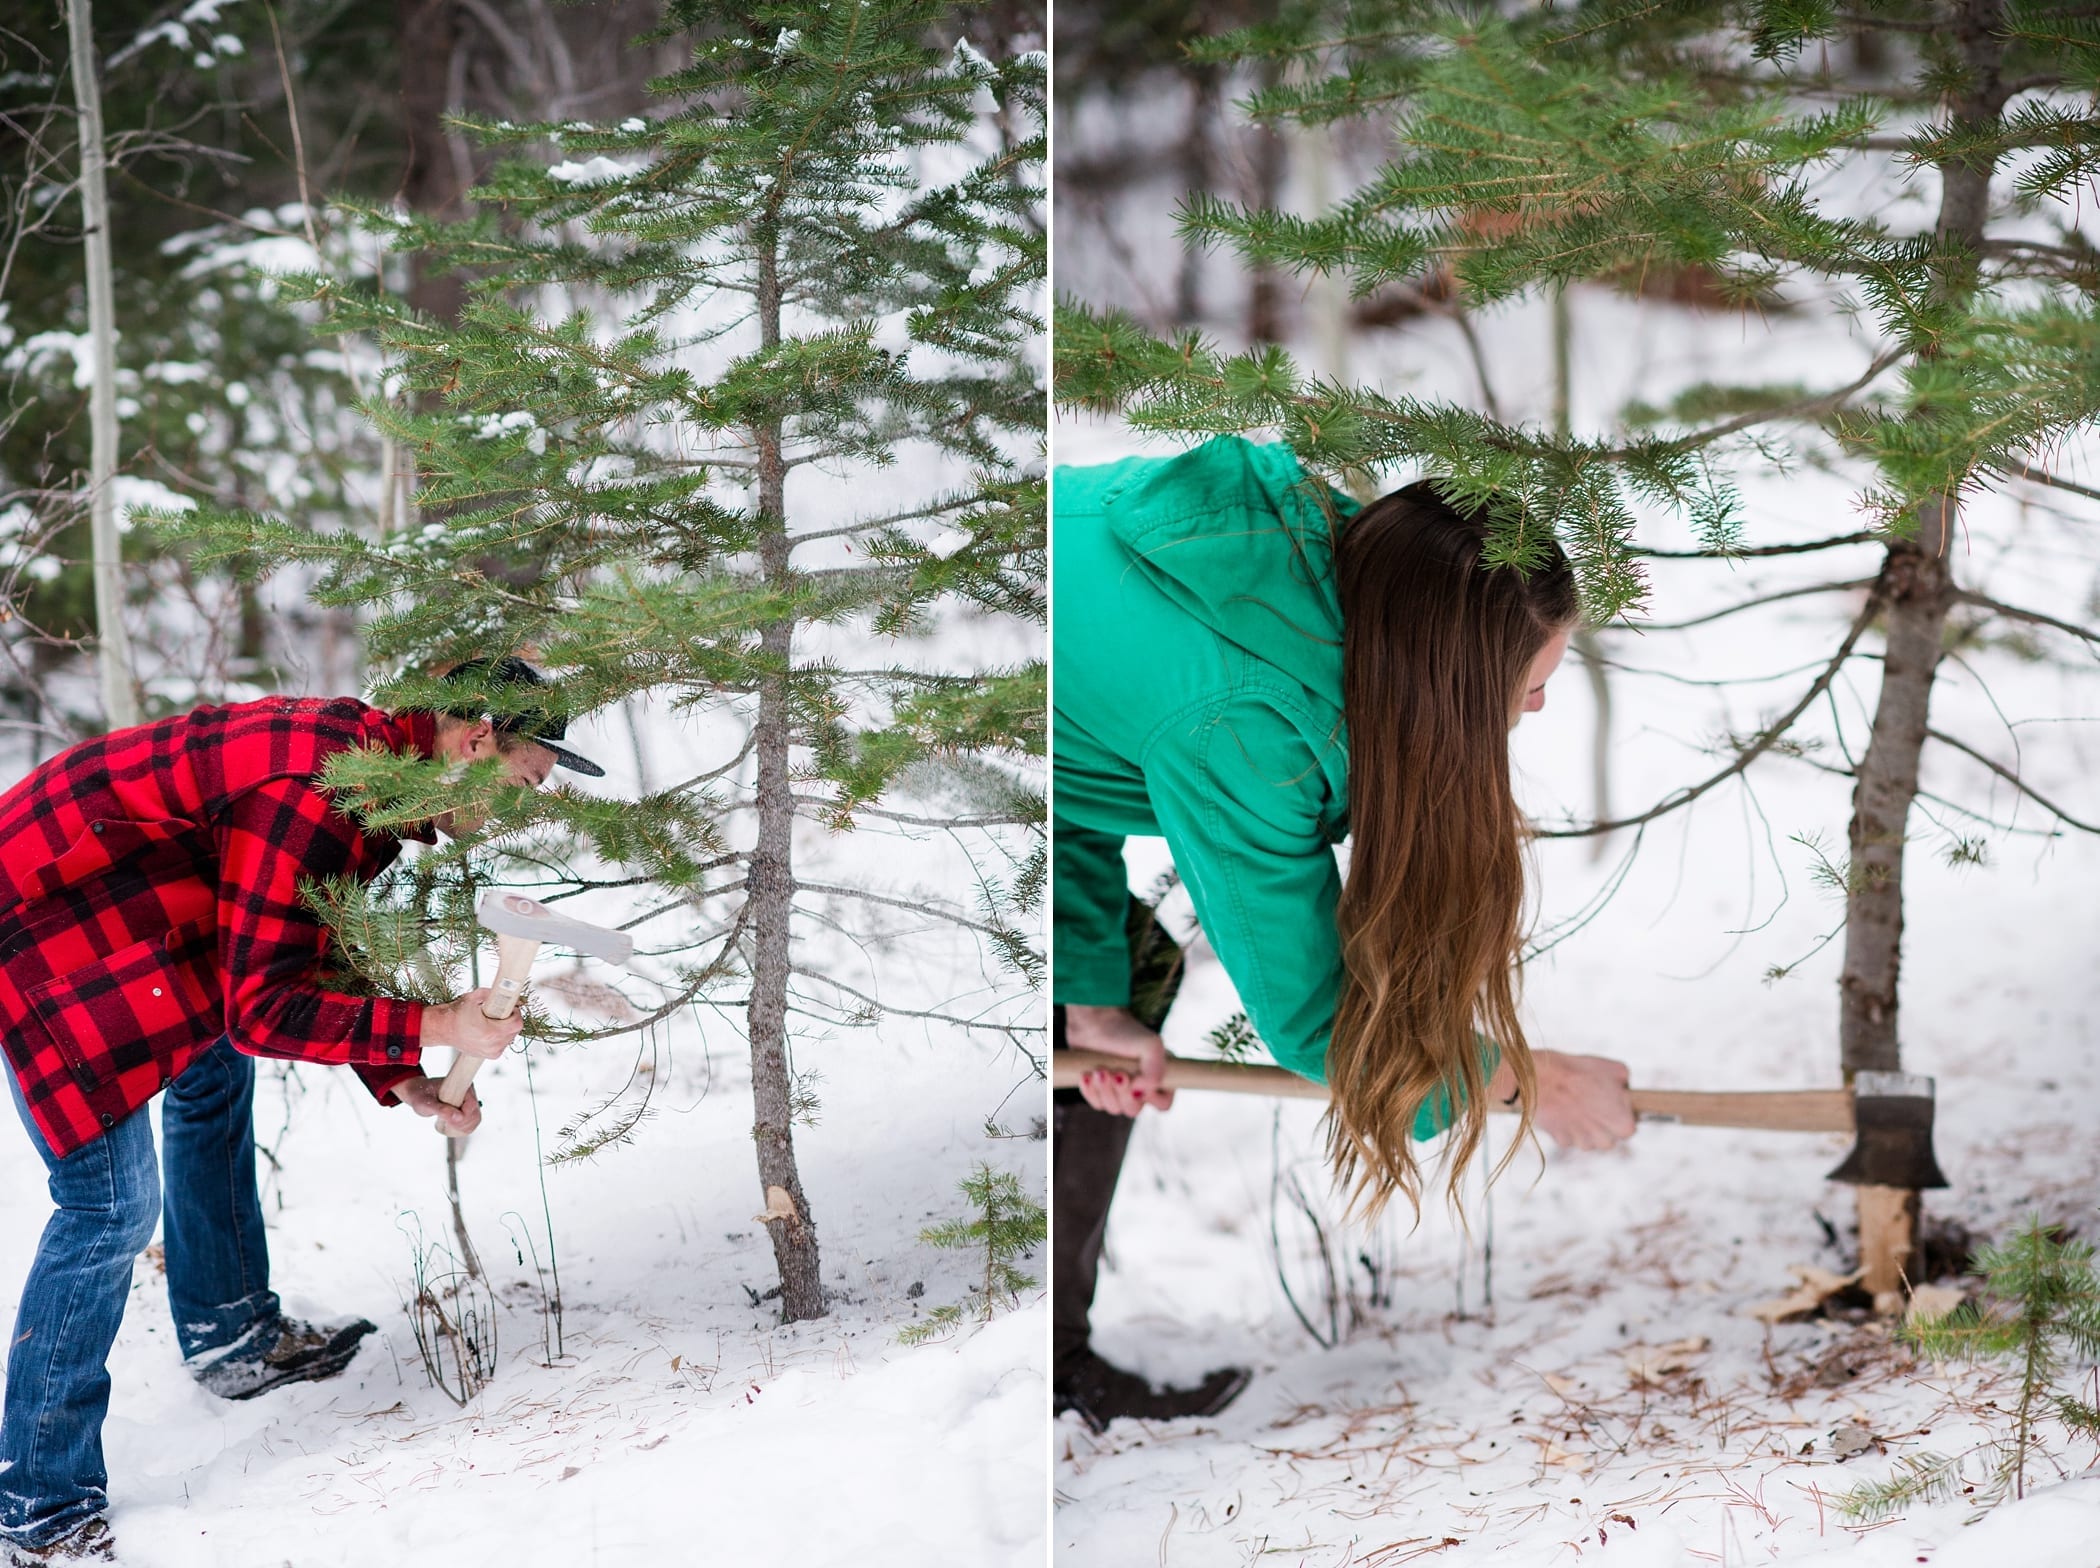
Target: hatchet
x=1889, y=1114
x=521, y=925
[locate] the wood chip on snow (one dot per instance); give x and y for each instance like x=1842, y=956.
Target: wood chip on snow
x=1816, y=1287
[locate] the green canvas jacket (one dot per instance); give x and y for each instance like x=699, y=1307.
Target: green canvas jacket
x=1198, y=696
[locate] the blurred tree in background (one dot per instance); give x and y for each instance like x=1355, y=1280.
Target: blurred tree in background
x=227, y=124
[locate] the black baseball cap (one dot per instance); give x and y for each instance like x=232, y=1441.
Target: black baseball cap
x=535, y=724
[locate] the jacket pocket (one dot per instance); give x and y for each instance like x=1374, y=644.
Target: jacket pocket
x=106, y=845
x=144, y=1011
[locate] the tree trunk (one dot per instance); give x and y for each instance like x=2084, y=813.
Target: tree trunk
x=429, y=34
x=770, y=883
x=1917, y=588
x=1198, y=173
x=120, y=702
x=1265, y=293
x=1588, y=646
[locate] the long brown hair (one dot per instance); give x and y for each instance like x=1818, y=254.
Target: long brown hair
x=1436, y=648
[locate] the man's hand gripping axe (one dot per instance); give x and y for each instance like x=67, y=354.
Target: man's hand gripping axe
x=521, y=924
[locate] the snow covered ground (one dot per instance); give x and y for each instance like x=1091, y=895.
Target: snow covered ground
x=683, y=1423
x=1578, y=1380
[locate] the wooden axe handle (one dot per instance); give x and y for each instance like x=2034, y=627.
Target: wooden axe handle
x=514, y=956
x=1781, y=1110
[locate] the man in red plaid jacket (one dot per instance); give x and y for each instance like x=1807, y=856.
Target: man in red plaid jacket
x=153, y=937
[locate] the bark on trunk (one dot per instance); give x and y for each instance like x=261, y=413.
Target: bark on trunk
x=1265, y=293
x=430, y=183
x=1917, y=588
x=1198, y=173
x=770, y=883
x=120, y=703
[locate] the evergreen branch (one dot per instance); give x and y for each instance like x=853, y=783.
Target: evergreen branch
x=1805, y=408
x=934, y=911
x=910, y=1012
x=2038, y=476
x=2014, y=612
x=1758, y=745
x=702, y=980
x=1751, y=604
x=2013, y=779
x=1869, y=537
x=991, y=821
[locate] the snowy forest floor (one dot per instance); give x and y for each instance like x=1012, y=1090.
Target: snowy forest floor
x=683, y=1422
x=1613, y=1402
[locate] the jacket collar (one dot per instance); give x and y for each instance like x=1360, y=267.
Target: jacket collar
x=409, y=733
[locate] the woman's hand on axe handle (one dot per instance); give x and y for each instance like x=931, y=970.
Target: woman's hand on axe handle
x=1583, y=1101
x=461, y=1025
x=1115, y=1032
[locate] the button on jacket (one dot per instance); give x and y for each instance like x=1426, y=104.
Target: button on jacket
x=150, y=902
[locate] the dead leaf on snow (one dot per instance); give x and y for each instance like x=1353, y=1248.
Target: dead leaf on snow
x=1551, y=1453
x=1563, y=1386
x=1816, y=1287
x=1647, y=1365
x=1928, y=1302
x=1849, y=1441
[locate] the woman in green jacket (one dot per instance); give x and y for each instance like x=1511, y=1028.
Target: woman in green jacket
x=1250, y=666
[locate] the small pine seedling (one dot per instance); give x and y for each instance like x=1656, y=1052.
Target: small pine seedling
x=2043, y=1312
x=1005, y=1225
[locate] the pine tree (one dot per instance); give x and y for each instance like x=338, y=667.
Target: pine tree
x=1616, y=143
x=2041, y=1311
x=1004, y=1226
x=821, y=255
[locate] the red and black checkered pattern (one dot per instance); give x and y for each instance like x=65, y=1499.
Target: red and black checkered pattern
x=149, y=902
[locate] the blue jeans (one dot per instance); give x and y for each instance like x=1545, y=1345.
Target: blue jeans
x=108, y=1195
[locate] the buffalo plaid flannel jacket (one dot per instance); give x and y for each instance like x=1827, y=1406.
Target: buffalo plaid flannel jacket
x=149, y=902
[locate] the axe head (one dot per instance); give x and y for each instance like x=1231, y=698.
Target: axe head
x=513, y=914
x=1892, y=1116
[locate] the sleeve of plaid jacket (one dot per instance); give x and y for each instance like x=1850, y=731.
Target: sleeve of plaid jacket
x=271, y=945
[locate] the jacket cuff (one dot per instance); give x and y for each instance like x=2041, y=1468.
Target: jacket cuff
x=384, y=1081
x=392, y=1036
x=1437, y=1112
x=1092, y=980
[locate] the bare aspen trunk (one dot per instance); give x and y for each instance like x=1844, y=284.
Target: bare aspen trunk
x=1917, y=587
x=770, y=883
x=120, y=702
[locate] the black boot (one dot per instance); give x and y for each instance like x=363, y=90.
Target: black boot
x=1099, y=1391
x=279, y=1350
x=1087, y=1156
